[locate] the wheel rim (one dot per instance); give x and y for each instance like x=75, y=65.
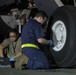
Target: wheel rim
x=59, y=35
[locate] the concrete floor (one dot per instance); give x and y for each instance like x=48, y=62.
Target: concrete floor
x=59, y=71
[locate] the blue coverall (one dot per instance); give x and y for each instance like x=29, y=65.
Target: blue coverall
x=32, y=31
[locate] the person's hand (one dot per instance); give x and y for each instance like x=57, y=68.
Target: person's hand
x=12, y=59
x=51, y=43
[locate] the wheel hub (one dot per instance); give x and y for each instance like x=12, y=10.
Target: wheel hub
x=59, y=34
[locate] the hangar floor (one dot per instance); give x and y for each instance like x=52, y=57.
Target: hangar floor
x=59, y=71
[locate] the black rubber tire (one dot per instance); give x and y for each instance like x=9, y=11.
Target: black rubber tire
x=66, y=57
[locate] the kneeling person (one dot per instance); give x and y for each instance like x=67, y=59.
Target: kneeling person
x=14, y=46
x=32, y=37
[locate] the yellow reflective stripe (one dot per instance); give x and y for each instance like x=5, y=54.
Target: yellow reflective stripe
x=29, y=45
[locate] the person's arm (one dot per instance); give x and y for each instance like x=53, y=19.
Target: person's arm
x=47, y=42
x=16, y=56
x=43, y=41
x=3, y=45
x=1, y=51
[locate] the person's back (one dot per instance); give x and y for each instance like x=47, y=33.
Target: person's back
x=29, y=30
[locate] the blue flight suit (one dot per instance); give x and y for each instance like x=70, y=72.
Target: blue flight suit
x=32, y=31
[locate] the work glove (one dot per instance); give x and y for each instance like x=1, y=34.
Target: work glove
x=12, y=59
x=51, y=43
